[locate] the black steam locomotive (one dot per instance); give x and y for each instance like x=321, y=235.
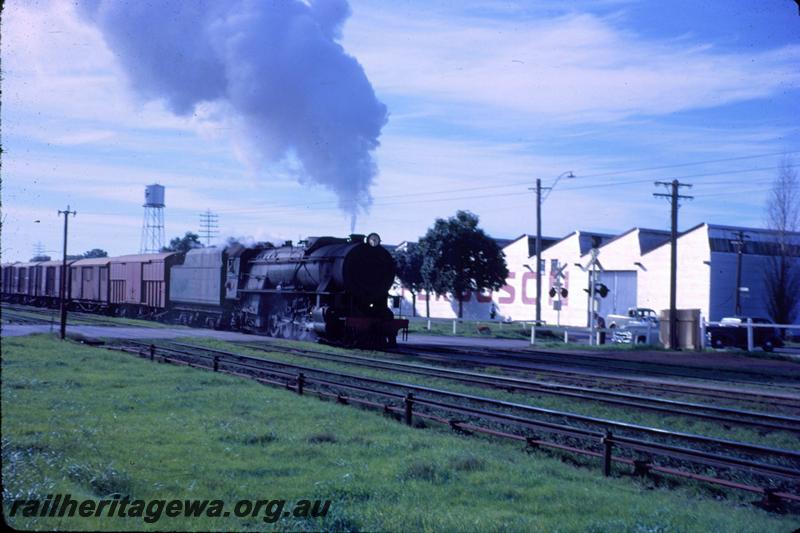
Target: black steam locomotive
x=326, y=288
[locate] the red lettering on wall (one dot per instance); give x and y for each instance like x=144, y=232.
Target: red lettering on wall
x=510, y=292
x=526, y=277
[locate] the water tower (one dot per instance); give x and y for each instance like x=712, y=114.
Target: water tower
x=153, y=225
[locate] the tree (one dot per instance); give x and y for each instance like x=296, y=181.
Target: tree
x=183, y=244
x=95, y=252
x=409, y=269
x=458, y=256
x=782, y=275
x=40, y=258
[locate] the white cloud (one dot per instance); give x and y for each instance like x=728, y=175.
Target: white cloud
x=577, y=67
x=475, y=102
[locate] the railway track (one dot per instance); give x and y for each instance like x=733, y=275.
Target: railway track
x=773, y=473
x=37, y=315
x=15, y=317
x=726, y=416
x=599, y=363
x=709, y=389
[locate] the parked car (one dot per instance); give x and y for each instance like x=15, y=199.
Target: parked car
x=732, y=332
x=638, y=326
x=634, y=314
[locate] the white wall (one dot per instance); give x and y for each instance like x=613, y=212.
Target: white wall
x=574, y=308
x=619, y=258
x=693, y=274
x=701, y=274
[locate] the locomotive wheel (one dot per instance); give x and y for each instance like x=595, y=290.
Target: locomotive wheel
x=273, y=327
x=287, y=330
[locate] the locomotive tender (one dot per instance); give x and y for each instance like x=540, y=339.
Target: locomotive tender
x=327, y=288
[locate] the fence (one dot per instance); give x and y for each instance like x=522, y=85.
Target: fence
x=460, y=325
x=640, y=334
x=771, y=472
x=735, y=329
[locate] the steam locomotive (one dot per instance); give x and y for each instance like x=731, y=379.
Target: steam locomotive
x=326, y=288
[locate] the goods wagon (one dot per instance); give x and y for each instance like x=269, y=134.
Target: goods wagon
x=22, y=287
x=138, y=283
x=328, y=288
x=48, y=282
x=7, y=277
x=89, y=287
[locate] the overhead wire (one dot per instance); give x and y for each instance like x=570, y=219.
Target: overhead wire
x=527, y=182
x=331, y=205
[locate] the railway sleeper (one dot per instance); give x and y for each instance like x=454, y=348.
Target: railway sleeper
x=641, y=466
x=456, y=424
x=772, y=497
x=771, y=502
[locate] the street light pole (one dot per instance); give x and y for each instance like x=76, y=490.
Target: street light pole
x=538, y=251
x=739, y=244
x=539, y=201
x=64, y=273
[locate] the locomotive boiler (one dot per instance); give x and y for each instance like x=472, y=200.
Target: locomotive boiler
x=334, y=289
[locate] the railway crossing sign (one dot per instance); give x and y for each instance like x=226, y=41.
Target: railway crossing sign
x=558, y=291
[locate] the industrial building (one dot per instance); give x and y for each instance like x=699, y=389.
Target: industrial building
x=634, y=266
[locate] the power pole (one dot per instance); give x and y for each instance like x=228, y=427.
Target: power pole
x=539, y=268
x=538, y=251
x=539, y=190
x=208, y=225
x=739, y=245
x=673, y=197
x=64, y=273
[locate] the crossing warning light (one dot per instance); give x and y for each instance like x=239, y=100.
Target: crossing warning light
x=601, y=289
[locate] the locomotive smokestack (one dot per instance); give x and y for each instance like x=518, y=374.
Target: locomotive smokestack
x=275, y=70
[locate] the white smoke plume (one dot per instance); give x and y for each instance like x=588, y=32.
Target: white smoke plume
x=276, y=65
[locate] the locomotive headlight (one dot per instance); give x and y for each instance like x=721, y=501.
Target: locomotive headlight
x=373, y=239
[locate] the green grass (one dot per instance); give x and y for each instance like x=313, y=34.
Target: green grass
x=519, y=331
x=470, y=328
x=90, y=422
x=550, y=343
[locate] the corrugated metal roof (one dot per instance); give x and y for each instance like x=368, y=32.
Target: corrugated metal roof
x=55, y=263
x=142, y=258
x=92, y=261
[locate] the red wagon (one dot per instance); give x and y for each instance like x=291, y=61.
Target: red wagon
x=89, y=283
x=139, y=284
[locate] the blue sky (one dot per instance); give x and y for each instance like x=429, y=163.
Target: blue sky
x=483, y=98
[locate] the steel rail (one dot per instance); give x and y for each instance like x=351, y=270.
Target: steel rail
x=739, y=446
x=591, y=360
x=780, y=422
x=696, y=456
x=577, y=374
x=76, y=317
